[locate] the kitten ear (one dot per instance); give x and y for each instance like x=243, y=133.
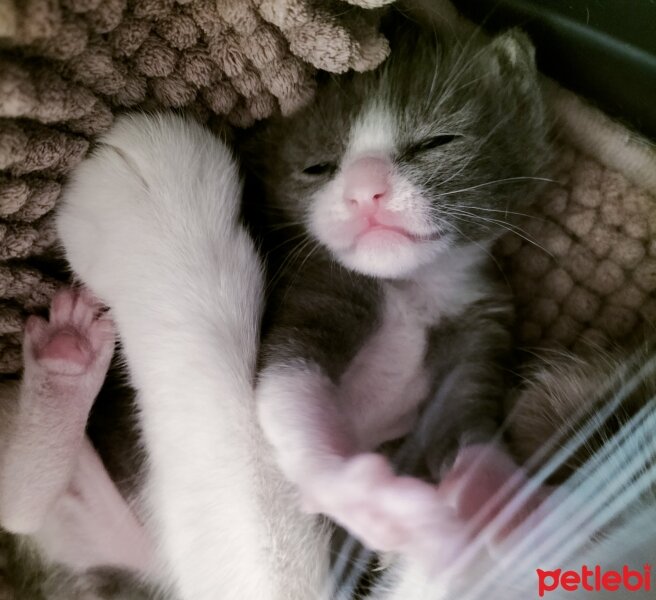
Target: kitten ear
x=513, y=52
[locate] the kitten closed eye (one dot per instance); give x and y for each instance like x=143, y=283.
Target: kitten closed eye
x=431, y=143
x=324, y=168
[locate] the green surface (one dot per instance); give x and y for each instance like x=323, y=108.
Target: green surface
x=603, y=49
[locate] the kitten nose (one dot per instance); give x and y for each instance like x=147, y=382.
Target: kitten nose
x=366, y=183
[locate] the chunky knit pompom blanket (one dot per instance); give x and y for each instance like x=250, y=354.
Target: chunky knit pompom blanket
x=67, y=66
x=583, y=268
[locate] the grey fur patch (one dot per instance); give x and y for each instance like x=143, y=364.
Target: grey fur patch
x=24, y=575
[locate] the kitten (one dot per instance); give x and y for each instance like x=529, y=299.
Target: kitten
x=397, y=182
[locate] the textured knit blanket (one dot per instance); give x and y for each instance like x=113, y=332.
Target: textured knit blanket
x=583, y=268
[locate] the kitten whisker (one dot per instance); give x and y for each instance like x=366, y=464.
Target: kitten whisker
x=290, y=257
x=504, y=211
x=496, y=181
x=481, y=246
x=280, y=226
x=513, y=228
x=460, y=68
x=314, y=246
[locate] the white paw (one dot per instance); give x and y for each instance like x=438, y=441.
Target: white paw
x=385, y=511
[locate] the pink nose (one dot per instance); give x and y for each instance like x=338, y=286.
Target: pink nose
x=366, y=183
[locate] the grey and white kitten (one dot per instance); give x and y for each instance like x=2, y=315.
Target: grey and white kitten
x=397, y=182
x=370, y=330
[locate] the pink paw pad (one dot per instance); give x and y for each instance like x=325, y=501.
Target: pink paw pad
x=67, y=346
x=75, y=336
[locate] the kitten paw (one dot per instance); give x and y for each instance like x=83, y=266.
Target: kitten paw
x=387, y=512
x=75, y=340
x=432, y=525
x=490, y=492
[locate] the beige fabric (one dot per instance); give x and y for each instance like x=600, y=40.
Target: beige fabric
x=590, y=274
x=67, y=66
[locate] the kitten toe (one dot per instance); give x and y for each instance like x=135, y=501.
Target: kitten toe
x=490, y=492
x=62, y=305
x=385, y=511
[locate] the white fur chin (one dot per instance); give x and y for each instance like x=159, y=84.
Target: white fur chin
x=388, y=255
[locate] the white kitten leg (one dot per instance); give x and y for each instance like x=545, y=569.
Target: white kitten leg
x=150, y=223
x=66, y=360
x=53, y=484
x=317, y=450
x=91, y=525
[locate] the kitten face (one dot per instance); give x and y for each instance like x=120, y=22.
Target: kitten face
x=434, y=149
x=371, y=215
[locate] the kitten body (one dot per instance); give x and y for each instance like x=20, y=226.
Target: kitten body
x=398, y=181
